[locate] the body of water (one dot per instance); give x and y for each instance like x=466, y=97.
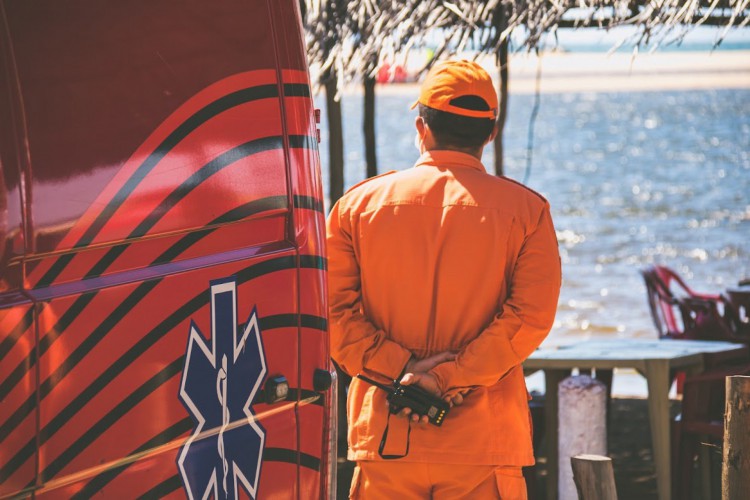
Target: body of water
x=632, y=178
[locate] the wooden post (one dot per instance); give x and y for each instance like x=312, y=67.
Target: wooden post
x=735, y=470
x=335, y=141
x=503, y=111
x=594, y=477
x=369, y=127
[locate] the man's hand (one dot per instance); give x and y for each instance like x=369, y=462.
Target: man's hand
x=457, y=399
x=426, y=381
x=417, y=372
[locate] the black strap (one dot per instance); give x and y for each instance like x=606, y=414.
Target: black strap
x=385, y=437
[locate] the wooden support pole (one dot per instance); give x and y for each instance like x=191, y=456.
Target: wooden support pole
x=503, y=111
x=335, y=141
x=594, y=477
x=735, y=470
x=368, y=126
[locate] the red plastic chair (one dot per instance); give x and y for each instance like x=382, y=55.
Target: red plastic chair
x=700, y=423
x=679, y=312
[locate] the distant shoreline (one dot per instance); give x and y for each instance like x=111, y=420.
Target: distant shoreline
x=617, y=72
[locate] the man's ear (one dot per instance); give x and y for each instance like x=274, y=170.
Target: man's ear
x=495, y=129
x=421, y=126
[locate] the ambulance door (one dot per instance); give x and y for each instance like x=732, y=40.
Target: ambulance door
x=317, y=422
x=162, y=253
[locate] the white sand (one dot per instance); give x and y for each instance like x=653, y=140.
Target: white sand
x=602, y=72
x=623, y=72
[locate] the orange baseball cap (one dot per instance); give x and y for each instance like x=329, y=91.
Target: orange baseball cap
x=459, y=87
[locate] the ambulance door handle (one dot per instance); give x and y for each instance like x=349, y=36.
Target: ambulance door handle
x=322, y=380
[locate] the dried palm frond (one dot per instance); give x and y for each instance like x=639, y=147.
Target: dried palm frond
x=348, y=39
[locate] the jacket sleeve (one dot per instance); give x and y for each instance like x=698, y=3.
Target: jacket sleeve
x=523, y=322
x=356, y=344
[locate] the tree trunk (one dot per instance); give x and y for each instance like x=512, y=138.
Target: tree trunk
x=335, y=142
x=369, y=127
x=503, y=111
x=735, y=474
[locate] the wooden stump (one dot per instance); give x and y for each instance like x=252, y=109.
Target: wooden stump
x=582, y=426
x=594, y=477
x=735, y=471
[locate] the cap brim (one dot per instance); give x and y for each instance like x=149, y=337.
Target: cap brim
x=414, y=105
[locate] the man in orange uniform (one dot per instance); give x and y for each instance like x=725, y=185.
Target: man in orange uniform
x=446, y=277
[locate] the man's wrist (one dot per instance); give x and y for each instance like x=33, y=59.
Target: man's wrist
x=407, y=367
x=439, y=380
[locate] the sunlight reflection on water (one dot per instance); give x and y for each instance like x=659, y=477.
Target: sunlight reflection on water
x=632, y=178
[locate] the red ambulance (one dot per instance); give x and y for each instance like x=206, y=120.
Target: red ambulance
x=163, y=323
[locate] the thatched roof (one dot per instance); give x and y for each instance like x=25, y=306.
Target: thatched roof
x=353, y=37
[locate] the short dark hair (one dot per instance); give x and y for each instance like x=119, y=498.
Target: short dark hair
x=452, y=130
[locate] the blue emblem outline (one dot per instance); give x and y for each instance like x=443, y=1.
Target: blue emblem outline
x=247, y=419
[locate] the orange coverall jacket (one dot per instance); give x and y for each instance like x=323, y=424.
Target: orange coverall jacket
x=442, y=257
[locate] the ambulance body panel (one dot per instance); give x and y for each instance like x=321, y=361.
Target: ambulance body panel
x=162, y=266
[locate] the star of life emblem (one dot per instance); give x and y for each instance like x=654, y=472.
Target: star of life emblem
x=219, y=381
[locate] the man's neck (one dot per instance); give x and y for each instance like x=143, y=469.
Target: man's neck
x=475, y=152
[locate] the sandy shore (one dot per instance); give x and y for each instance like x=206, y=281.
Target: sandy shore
x=618, y=72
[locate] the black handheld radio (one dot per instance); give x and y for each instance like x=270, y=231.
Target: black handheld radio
x=420, y=401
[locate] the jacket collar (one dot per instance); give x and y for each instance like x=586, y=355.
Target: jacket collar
x=448, y=158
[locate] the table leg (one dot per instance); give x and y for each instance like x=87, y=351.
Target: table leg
x=657, y=375
x=705, y=456
x=552, y=379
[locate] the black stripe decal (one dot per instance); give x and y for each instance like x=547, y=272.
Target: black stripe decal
x=174, y=483
x=121, y=409
x=189, y=125
x=12, y=337
x=313, y=262
x=163, y=489
x=251, y=208
x=27, y=364
x=290, y=456
x=115, y=317
x=99, y=428
x=296, y=90
x=290, y=321
x=14, y=378
x=314, y=322
x=211, y=168
x=308, y=202
x=309, y=461
x=141, y=346
x=220, y=105
x=29, y=448
x=303, y=142
x=183, y=426
x=54, y=271
x=130, y=402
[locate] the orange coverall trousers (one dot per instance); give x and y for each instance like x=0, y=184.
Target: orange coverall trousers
x=419, y=481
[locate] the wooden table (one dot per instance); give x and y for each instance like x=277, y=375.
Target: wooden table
x=654, y=359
